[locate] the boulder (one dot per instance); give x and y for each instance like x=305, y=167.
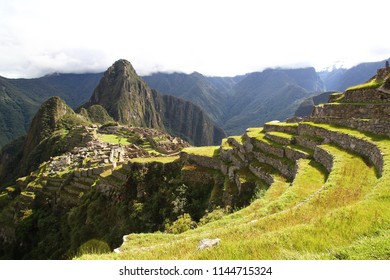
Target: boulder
x=208, y=243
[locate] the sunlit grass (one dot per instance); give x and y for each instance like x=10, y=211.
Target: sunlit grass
x=374, y=83
x=208, y=151
x=113, y=139
x=155, y=159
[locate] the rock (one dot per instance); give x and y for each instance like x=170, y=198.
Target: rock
x=208, y=243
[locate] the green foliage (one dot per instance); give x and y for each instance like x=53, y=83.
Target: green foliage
x=168, y=159
x=70, y=121
x=208, y=151
x=217, y=214
x=182, y=224
x=97, y=114
x=114, y=139
x=108, y=124
x=94, y=246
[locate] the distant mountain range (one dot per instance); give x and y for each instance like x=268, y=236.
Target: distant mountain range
x=338, y=80
x=233, y=103
x=239, y=102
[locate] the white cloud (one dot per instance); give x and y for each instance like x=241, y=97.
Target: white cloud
x=213, y=37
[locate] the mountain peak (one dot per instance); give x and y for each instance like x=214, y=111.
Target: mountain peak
x=125, y=96
x=122, y=66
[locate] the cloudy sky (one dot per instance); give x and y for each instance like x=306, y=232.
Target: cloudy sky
x=214, y=37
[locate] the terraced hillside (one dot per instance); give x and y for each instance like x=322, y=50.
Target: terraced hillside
x=322, y=190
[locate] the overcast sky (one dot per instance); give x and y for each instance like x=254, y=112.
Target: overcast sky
x=213, y=37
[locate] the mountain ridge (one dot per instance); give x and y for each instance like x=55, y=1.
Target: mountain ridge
x=21, y=98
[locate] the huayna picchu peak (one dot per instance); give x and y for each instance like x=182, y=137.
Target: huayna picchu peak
x=129, y=100
x=126, y=97
x=112, y=183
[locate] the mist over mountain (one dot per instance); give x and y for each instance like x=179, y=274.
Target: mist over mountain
x=339, y=79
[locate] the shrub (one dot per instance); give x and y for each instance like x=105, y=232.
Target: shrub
x=94, y=246
x=215, y=215
x=108, y=124
x=182, y=224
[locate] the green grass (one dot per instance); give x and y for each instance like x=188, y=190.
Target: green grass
x=259, y=135
x=301, y=149
x=281, y=134
x=113, y=139
x=207, y=151
x=282, y=124
x=148, y=147
x=239, y=139
x=374, y=83
x=155, y=159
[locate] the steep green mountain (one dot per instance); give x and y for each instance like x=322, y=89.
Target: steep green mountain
x=16, y=111
x=195, y=88
x=126, y=97
x=128, y=100
x=47, y=136
x=187, y=121
x=20, y=99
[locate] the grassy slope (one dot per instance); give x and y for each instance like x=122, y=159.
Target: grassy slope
x=344, y=216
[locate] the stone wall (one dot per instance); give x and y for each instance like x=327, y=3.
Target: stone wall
x=348, y=142
x=260, y=173
x=366, y=96
x=376, y=126
x=294, y=155
x=323, y=157
x=349, y=111
x=307, y=142
x=286, y=168
x=204, y=161
x=291, y=128
x=268, y=148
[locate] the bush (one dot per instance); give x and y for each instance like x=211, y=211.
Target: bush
x=94, y=246
x=182, y=224
x=215, y=215
x=108, y=124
